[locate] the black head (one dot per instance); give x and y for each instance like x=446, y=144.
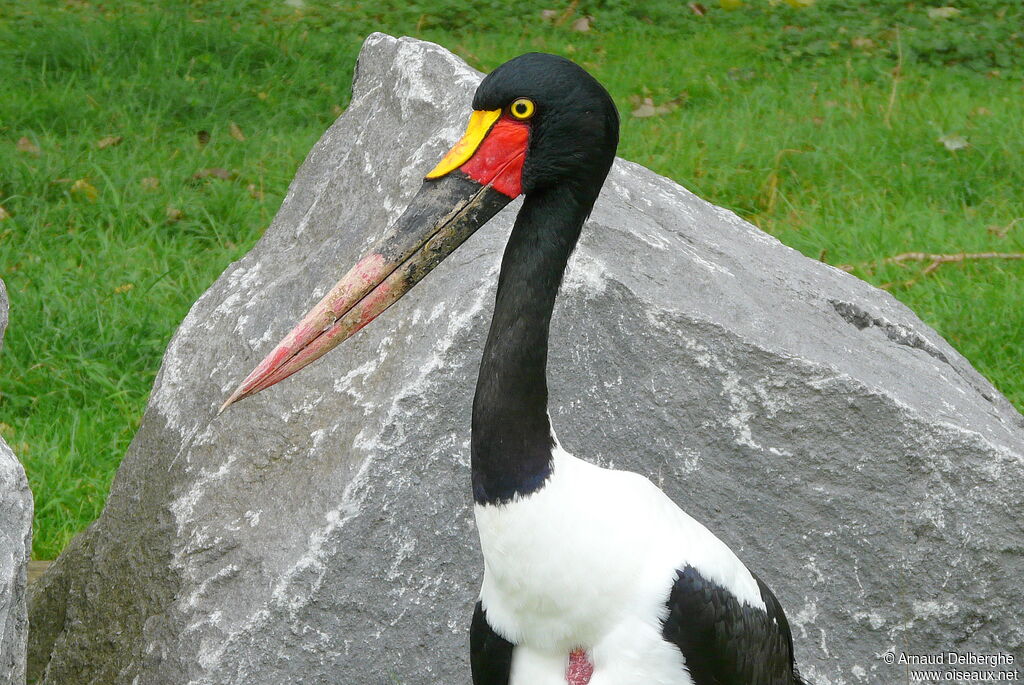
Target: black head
x=574, y=129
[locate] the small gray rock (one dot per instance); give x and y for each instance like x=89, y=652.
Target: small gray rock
x=15, y=548
x=321, y=532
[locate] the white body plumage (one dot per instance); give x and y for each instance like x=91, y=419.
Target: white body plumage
x=588, y=561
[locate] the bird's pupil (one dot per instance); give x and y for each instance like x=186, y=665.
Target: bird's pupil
x=520, y=108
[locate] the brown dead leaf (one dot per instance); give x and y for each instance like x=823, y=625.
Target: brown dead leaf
x=173, y=214
x=4, y=214
x=255, y=192
x=236, y=132
x=262, y=95
x=213, y=172
x=981, y=112
x=862, y=43
x=27, y=146
x=697, y=8
x=83, y=189
x=645, y=107
x=123, y=288
x=109, y=141
x=549, y=16
x=582, y=24
x=150, y=183
x=203, y=137
x=337, y=110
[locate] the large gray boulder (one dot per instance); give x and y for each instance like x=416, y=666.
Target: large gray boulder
x=322, y=532
x=15, y=548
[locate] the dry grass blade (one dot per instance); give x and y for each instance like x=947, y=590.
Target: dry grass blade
x=936, y=260
x=567, y=13
x=213, y=172
x=897, y=76
x=1002, y=231
x=946, y=258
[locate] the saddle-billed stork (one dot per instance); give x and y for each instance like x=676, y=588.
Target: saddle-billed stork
x=591, y=575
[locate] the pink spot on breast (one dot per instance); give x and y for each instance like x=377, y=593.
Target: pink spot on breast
x=579, y=670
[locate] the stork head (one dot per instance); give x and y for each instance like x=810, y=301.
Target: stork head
x=539, y=121
x=546, y=113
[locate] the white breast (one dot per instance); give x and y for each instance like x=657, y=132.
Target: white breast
x=588, y=562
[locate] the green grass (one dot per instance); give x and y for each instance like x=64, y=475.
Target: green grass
x=820, y=125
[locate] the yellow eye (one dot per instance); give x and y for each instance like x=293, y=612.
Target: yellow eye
x=522, y=108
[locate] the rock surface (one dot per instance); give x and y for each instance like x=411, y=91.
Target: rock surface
x=15, y=548
x=322, y=532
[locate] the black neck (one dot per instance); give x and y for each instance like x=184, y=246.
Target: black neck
x=512, y=438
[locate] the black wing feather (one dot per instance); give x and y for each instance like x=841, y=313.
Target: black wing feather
x=725, y=642
x=490, y=655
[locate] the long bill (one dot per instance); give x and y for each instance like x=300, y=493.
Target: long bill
x=444, y=213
